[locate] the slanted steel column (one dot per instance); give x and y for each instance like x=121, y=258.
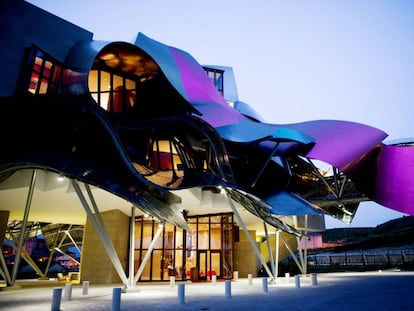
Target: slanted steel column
x=131, y=248
x=265, y=165
x=269, y=250
x=4, y=272
x=306, y=245
x=26, y=256
x=67, y=232
x=148, y=254
x=58, y=249
x=67, y=255
x=52, y=252
x=300, y=253
x=24, y=223
x=292, y=253
x=100, y=230
x=277, y=251
x=240, y=220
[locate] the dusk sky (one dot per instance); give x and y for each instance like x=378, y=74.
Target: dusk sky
x=294, y=61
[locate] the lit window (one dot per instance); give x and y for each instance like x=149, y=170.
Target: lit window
x=44, y=73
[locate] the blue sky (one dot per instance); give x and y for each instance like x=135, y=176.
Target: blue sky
x=294, y=60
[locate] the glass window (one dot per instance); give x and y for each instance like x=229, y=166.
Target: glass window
x=179, y=238
x=215, y=233
x=147, y=269
x=44, y=73
x=180, y=253
x=147, y=235
x=159, y=266
x=138, y=234
x=203, y=236
x=93, y=81
x=112, y=91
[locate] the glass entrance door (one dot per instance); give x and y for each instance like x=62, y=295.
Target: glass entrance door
x=202, y=265
x=215, y=264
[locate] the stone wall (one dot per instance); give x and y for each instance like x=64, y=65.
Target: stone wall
x=96, y=266
x=246, y=261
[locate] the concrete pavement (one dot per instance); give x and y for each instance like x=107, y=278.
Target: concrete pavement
x=380, y=290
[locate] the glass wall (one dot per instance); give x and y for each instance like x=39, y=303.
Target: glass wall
x=196, y=255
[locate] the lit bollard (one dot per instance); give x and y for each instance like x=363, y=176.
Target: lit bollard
x=227, y=284
x=214, y=279
x=85, y=287
x=264, y=285
x=314, y=280
x=287, y=277
x=250, y=279
x=56, y=298
x=68, y=292
x=116, y=299
x=297, y=281
x=181, y=293
x=172, y=281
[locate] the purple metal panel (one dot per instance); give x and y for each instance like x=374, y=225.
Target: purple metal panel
x=188, y=77
x=202, y=93
x=340, y=143
x=394, y=182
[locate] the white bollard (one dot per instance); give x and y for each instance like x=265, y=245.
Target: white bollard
x=264, y=285
x=214, y=279
x=181, y=293
x=56, y=298
x=235, y=275
x=85, y=287
x=287, y=277
x=116, y=299
x=172, y=281
x=314, y=280
x=227, y=284
x=297, y=281
x=250, y=279
x=68, y=291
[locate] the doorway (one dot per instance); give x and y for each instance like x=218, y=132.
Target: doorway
x=202, y=265
x=215, y=264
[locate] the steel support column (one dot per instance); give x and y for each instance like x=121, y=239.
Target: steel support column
x=253, y=244
x=100, y=229
x=148, y=254
x=269, y=250
x=24, y=224
x=277, y=233
x=292, y=253
x=131, y=248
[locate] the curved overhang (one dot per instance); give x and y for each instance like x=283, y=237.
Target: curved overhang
x=122, y=57
x=245, y=131
x=82, y=55
x=285, y=203
x=340, y=143
x=188, y=77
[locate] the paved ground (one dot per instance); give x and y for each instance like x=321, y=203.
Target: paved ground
x=382, y=290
